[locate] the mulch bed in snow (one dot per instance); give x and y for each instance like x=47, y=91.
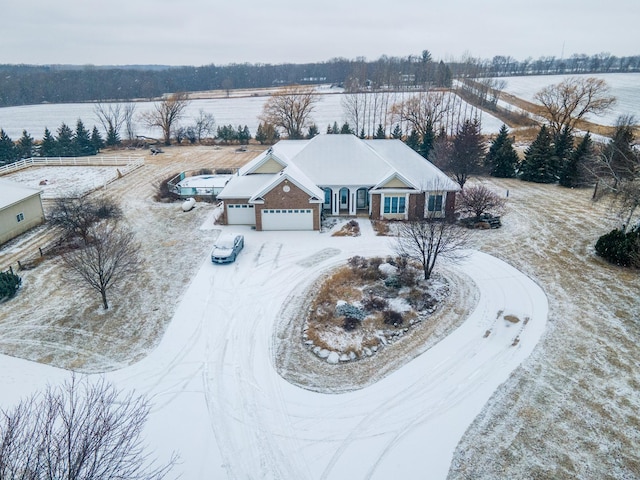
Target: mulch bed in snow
x=367, y=305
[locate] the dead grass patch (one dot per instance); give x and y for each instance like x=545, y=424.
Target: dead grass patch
x=380, y=227
x=349, y=229
x=511, y=318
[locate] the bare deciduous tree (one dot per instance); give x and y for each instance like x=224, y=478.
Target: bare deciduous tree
x=110, y=254
x=204, y=125
x=422, y=109
x=566, y=103
x=425, y=241
x=128, y=114
x=618, y=171
x=75, y=216
x=290, y=109
x=478, y=199
x=111, y=116
x=78, y=430
x=165, y=114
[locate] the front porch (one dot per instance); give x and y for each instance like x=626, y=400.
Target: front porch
x=346, y=201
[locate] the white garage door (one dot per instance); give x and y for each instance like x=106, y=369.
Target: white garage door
x=241, y=214
x=281, y=219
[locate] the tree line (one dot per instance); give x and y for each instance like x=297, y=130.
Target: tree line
x=33, y=84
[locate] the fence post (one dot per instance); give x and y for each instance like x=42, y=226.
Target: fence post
x=19, y=265
x=40, y=248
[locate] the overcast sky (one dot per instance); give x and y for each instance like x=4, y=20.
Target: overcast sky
x=202, y=32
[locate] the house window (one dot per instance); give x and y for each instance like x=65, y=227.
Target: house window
x=20, y=217
x=327, y=196
x=435, y=203
x=394, y=204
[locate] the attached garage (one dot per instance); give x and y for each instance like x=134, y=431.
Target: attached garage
x=287, y=219
x=241, y=214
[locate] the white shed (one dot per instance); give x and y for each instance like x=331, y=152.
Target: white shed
x=20, y=209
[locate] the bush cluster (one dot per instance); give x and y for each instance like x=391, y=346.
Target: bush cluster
x=375, y=304
x=9, y=285
x=391, y=317
x=619, y=247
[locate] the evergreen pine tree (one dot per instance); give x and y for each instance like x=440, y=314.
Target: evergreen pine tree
x=413, y=140
x=26, y=145
x=563, y=148
x=261, y=136
x=8, y=151
x=502, y=159
x=65, y=141
x=346, y=129
x=313, y=131
x=380, y=133
x=329, y=129
x=428, y=138
x=468, y=151
x=362, y=135
x=96, y=139
x=444, y=77
x=537, y=165
x=397, y=132
x=48, y=145
x=82, y=141
x=574, y=174
x=113, y=138
x=336, y=129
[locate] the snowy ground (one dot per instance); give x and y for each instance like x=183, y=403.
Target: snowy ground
x=57, y=182
x=569, y=410
x=220, y=402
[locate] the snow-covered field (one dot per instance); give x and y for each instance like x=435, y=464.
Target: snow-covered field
x=235, y=111
x=201, y=340
x=624, y=86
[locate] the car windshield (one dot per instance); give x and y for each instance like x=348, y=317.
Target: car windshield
x=224, y=243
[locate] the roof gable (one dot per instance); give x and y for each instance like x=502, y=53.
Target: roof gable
x=297, y=178
x=271, y=165
x=267, y=162
x=395, y=180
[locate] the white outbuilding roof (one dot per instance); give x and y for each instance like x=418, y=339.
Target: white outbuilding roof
x=12, y=193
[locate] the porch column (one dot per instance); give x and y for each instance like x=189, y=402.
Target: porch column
x=406, y=206
x=352, y=201
x=335, y=201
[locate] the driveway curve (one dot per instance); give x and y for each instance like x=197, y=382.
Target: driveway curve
x=220, y=403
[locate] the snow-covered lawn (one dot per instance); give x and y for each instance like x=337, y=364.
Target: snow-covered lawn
x=569, y=410
x=219, y=401
x=58, y=182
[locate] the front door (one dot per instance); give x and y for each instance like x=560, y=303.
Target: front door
x=361, y=198
x=344, y=198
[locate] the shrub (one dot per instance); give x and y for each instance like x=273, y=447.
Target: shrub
x=350, y=311
x=9, y=285
x=375, y=304
x=163, y=193
x=106, y=208
x=619, y=247
x=204, y=171
x=392, y=282
x=391, y=317
x=350, y=324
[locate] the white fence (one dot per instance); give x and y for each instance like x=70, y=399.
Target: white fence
x=128, y=163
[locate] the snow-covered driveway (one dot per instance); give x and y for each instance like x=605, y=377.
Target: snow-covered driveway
x=219, y=402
